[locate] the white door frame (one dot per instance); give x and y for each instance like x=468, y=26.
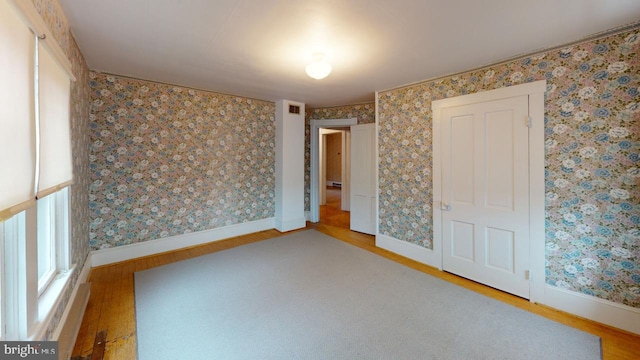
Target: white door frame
x=314, y=211
x=535, y=91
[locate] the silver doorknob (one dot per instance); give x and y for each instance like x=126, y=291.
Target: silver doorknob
x=445, y=207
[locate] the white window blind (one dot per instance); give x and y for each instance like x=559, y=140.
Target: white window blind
x=54, y=164
x=17, y=125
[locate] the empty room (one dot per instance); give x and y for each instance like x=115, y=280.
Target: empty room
x=278, y=179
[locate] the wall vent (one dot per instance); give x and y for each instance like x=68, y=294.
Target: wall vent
x=294, y=109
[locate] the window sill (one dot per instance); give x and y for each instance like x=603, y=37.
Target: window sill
x=49, y=300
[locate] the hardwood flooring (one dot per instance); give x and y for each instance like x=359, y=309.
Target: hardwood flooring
x=108, y=329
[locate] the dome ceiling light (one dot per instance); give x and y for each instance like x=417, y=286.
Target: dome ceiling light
x=319, y=68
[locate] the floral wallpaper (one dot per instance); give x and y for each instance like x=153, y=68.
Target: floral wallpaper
x=592, y=171
x=167, y=160
x=365, y=113
x=55, y=19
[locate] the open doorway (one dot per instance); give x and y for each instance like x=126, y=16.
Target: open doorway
x=334, y=177
x=360, y=184
x=318, y=182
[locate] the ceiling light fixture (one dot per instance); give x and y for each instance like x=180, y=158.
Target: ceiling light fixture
x=319, y=68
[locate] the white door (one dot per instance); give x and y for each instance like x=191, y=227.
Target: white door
x=363, y=177
x=485, y=193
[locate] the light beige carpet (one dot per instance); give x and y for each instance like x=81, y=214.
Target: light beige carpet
x=309, y=296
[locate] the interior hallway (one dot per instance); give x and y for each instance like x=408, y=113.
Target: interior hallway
x=330, y=214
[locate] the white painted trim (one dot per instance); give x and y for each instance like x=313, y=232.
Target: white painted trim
x=408, y=250
x=82, y=278
x=537, y=209
x=322, y=167
x=48, y=303
x=501, y=93
x=290, y=224
x=535, y=92
x=315, y=160
x=590, y=307
x=376, y=129
x=133, y=251
x=436, y=171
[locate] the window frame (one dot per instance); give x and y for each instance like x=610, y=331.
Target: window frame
x=53, y=223
x=46, y=235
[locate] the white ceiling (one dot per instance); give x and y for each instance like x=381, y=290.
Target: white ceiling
x=259, y=48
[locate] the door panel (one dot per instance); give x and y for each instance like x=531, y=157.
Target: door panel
x=462, y=130
x=499, y=160
x=363, y=189
x=462, y=241
x=500, y=245
x=485, y=193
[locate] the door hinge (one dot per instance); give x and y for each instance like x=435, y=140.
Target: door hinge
x=529, y=122
x=527, y=274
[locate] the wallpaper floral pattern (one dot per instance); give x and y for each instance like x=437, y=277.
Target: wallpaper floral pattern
x=167, y=160
x=365, y=113
x=592, y=171
x=55, y=19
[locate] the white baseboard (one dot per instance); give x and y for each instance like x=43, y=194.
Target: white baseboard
x=307, y=215
x=409, y=250
x=603, y=311
x=290, y=224
x=152, y=247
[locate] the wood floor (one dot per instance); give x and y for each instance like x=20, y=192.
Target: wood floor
x=108, y=329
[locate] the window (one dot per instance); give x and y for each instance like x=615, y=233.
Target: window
x=53, y=237
x=46, y=242
x=13, y=237
x=35, y=156
x=38, y=235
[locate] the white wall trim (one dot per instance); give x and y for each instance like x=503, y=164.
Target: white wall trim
x=604, y=311
x=82, y=278
x=500, y=93
x=290, y=224
x=408, y=250
x=315, y=160
x=132, y=251
x=376, y=165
